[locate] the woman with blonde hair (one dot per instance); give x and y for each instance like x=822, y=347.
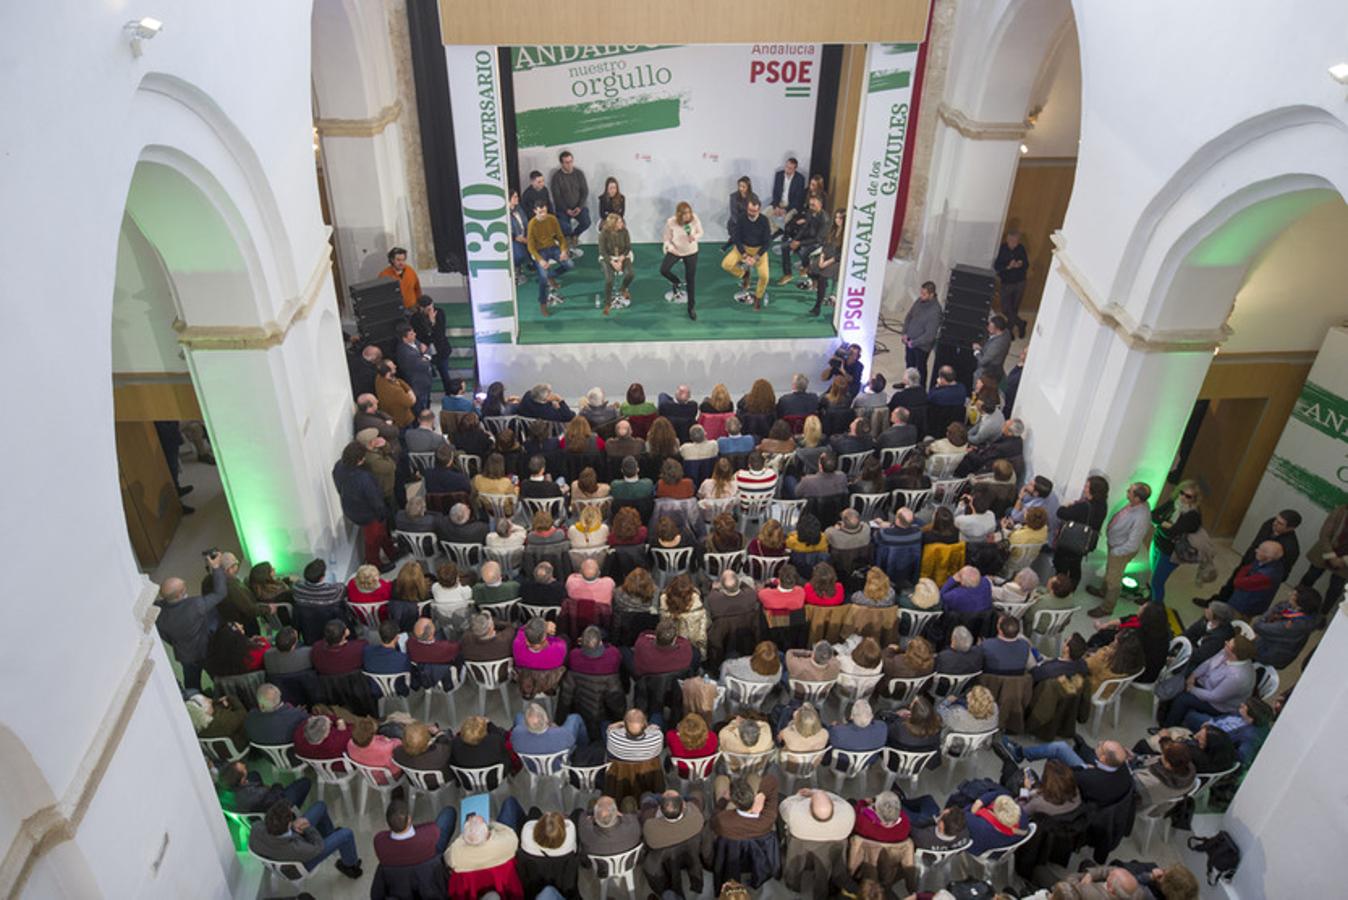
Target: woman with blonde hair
x=999, y=823
x=682, y=603
x=589, y=531
x=918, y=658
x=721, y=485
x=770, y=541
x=580, y=437
x=974, y=713
x=718, y=401
x=877, y=591
x=615, y=255
x=547, y=855
x=411, y=584
x=838, y=396
x=690, y=739
x=805, y=733
x=366, y=588
x=812, y=444
x=1176, y=517
x=679, y=241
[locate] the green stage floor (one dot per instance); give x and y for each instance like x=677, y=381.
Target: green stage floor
x=651, y=318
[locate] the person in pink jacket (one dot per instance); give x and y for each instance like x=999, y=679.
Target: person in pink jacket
x=540, y=657
x=369, y=748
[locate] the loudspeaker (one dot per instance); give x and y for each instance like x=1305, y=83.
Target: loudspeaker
x=959, y=356
x=379, y=308
x=973, y=279
x=962, y=333
x=975, y=317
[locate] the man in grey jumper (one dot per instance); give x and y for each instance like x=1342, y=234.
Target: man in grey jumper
x=571, y=192
x=920, y=328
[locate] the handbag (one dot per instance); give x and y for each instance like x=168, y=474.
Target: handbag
x=1223, y=855
x=1184, y=552
x=1076, y=538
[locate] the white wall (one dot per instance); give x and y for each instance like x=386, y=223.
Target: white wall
x=1057, y=128
x=68, y=73
x=143, y=308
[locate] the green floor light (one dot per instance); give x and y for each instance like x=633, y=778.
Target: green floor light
x=1130, y=583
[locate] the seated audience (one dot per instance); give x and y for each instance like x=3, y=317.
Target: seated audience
x=962, y=657
x=283, y=836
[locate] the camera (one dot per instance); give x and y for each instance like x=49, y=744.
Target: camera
x=211, y=553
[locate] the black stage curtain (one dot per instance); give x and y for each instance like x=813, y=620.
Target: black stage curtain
x=826, y=110
x=509, y=136
x=437, y=135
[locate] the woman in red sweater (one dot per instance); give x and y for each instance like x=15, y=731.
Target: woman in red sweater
x=880, y=822
x=823, y=589
x=690, y=740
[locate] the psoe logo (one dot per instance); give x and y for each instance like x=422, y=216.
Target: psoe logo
x=796, y=75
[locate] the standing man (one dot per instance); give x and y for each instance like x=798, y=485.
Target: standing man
x=571, y=192
x=429, y=324
x=186, y=623
x=405, y=275
x=1330, y=553
x=415, y=367
x=1012, y=265
x=992, y=355
x=1125, y=534
x=547, y=246
x=807, y=235
x=920, y=328
x=788, y=190
x=750, y=237
x=1280, y=528
x=363, y=505
x=536, y=191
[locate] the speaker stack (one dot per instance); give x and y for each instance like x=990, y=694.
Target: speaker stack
x=379, y=309
x=968, y=303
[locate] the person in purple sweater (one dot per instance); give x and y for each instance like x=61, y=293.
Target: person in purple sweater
x=967, y=591
x=591, y=656
x=1219, y=686
x=540, y=657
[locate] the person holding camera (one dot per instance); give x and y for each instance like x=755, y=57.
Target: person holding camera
x=846, y=360
x=187, y=623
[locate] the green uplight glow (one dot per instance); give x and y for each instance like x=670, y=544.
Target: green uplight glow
x=1236, y=241
x=1130, y=583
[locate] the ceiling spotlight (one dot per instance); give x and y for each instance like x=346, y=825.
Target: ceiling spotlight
x=1340, y=72
x=1024, y=149
x=142, y=29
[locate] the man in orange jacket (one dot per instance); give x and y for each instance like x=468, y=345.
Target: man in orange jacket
x=405, y=275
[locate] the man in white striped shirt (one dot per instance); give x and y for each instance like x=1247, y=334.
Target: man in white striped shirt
x=757, y=478
x=634, y=739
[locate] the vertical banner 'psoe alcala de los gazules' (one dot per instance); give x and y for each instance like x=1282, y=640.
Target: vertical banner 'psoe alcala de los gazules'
x=875, y=183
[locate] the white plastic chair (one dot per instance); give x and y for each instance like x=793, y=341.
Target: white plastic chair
x=852, y=688
x=813, y=692
x=1177, y=657
x=850, y=463
x=931, y=863
x=468, y=463
x=377, y=779
x=498, y=424
x=494, y=675
x=1207, y=779
x=621, y=868
x=745, y=763
x=428, y=782
x=1015, y=610
x=913, y=498
x=466, y=557
x=424, y=545
x=1157, y=815
x=764, y=568
x=292, y=873
x=221, y=749
x=848, y=764
x=551, y=766
x=580, y=554
x=420, y=461
x=1022, y=555
x=906, y=765
x=902, y=690
x=584, y=779
x=281, y=757
x=325, y=771
x=535, y=611
x=603, y=504
x=499, y=506
x=889, y=456
x=947, y=491
x=747, y=694
x=943, y=465
x=959, y=747
x=870, y=506
x=479, y=781
x=787, y=512
x=946, y=685
x=368, y=613
x=509, y=560
x=994, y=866
x=1049, y=625
x=691, y=768
x=754, y=507
x=668, y=563
x=801, y=766
x=713, y=564
x=1265, y=681
x=553, y=506
x=912, y=622
x=1104, y=699
x=388, y=688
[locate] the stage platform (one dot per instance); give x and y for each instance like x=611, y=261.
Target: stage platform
x=651, y=318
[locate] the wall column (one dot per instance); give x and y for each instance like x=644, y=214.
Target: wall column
x=1127, y=390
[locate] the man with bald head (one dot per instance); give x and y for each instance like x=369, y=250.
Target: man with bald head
x=492, y=589
x=820, y=823
x=369, y=415
x=187, y=623
x=680, y=410
x=587, y=584
x=240, y=605
x=1256, y=582
x=1105, y=883
x=606, y=831
x=364, y=369
x=1103, y=780
x=623, y=444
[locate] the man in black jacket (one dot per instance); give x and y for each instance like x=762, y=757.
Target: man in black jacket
x=242, y=791
x=1282, y=530
x=805, y=234
x=1009, y=446
x=801, y=401
x=751, y=237
x=364, y=368
x=1012, y=265
x=429, y=324
x=413, y=365
x=363, y=504
x=1103, y=779
x=186, y=623
x=680, y=410
x=788, y=189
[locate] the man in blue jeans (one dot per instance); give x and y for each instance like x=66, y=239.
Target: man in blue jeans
x=308, y=839
x=547, y=247
x=1103, y=779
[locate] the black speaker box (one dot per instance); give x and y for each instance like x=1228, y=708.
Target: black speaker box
x=967, y=299
x=973, y=278
x=960, y=333
x=377, y=295
x=976, y=317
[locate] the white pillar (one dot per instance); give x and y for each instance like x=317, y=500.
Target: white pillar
x=1126, y=392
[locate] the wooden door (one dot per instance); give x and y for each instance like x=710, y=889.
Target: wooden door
x=1038, y=206
x=149, y=497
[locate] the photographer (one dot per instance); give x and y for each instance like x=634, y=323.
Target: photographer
x=846, y=360
x=187, y=623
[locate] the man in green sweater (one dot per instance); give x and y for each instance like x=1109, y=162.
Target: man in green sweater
x=571, y=192
x=615, y=255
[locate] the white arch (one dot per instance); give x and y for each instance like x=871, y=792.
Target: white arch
x=998, y=85
x=1281, y=151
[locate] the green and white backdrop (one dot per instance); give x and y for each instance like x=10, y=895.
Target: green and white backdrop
x=1309, y=468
